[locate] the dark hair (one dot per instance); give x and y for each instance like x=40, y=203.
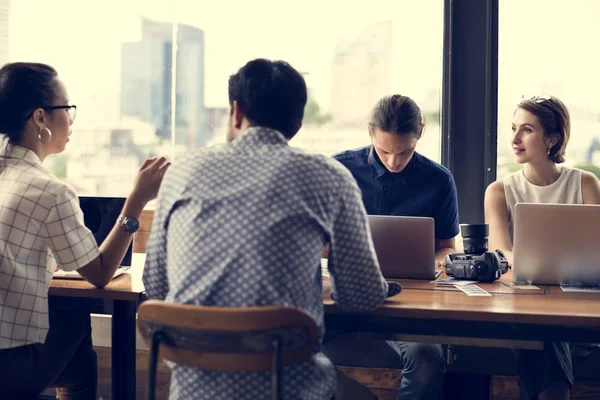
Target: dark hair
x=23, y=88
x=554, y=118
x=270, y=94
x=397, y=114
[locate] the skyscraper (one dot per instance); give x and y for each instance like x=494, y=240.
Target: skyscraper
x=362, y=74
x=4, y=8
x=147, y=78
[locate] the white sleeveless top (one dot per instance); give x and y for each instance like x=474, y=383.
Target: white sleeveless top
x=565, y=190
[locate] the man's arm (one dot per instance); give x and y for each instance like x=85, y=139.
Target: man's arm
x=446, y=222
x=357, y=282
x=443, y=247
x=155, y=276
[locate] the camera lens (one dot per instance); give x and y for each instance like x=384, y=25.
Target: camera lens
x=475, y=238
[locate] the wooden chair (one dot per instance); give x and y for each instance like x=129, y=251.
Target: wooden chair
x=250, y=339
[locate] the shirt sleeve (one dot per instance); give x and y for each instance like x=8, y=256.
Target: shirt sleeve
x=155, y=278
x=356, y=278
x=71, y=242
x=446, y=211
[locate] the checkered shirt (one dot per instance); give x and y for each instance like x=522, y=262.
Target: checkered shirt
x=41, y=225
x=244, y=224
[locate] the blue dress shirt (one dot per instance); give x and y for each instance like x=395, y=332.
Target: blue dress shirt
x=423, y=189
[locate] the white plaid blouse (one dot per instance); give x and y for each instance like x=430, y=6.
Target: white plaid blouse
x=244, y=224
x=41, y=225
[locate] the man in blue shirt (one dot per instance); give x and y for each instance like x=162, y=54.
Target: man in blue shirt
x=396, y=180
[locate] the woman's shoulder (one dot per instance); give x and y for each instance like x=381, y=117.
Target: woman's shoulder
x=588, y=177
x=495, y=189
x=495, y=197
x=513, y=177
x=573, y=171
x=50, y=188
x=590, y=188
x=575, y=176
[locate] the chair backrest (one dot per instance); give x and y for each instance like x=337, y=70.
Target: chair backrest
x=228, y=339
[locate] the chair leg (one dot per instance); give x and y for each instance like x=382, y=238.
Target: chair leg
x=277, y=369
x=157, y=337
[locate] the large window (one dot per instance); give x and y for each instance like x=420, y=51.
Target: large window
x=548, y=48
x=151, y=77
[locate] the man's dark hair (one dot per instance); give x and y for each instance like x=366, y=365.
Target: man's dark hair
x=270, y=94
x=23, y=88
x=397, y=114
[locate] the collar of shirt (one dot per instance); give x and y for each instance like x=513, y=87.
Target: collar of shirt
x=9, y=150
x=259, y=136
x=378, y=170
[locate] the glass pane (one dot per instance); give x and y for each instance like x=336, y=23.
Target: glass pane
x=548, y=48
x=4, y=30
x=348, y=62
x=88, y=43
x=152, y=78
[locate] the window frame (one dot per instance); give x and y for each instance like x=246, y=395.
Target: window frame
x=469, y=115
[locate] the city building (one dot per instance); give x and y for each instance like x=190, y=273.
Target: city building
x=361, y=74
x=147, y=78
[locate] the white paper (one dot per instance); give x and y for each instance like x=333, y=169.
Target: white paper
x=473, y=290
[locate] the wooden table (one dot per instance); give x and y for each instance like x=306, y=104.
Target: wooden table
x=509, y=318
x=507, y=315
x=124, y=294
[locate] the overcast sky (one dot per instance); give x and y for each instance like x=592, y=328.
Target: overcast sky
x=545, y=46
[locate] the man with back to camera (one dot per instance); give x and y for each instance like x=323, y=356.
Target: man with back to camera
x=396, y=180
x=239, y=220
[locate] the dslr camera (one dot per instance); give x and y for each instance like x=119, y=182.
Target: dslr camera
x=477, y=263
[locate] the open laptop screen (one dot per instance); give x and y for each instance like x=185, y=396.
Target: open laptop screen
x=100, y=215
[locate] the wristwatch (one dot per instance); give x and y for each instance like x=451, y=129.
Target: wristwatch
x=130, y=224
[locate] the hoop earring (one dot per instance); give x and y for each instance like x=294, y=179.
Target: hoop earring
x=49, y=135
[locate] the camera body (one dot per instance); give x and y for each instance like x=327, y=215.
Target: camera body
x=486, y=267
x=476, y=263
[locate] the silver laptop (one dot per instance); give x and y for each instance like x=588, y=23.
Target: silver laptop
x=405, y=246
x=556, y=244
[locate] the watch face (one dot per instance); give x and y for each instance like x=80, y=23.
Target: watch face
x=131, y=225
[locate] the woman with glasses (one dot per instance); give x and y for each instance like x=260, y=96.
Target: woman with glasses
x=41, y=229
x=541, y=129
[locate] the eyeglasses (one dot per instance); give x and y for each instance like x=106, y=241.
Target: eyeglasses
x=71, y=111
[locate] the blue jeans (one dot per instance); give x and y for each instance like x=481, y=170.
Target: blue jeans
x=422, y=370
x=66, y=360
x=538, y=369
x=422, y=365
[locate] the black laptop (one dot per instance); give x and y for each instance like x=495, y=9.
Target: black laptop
x=100, y=215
